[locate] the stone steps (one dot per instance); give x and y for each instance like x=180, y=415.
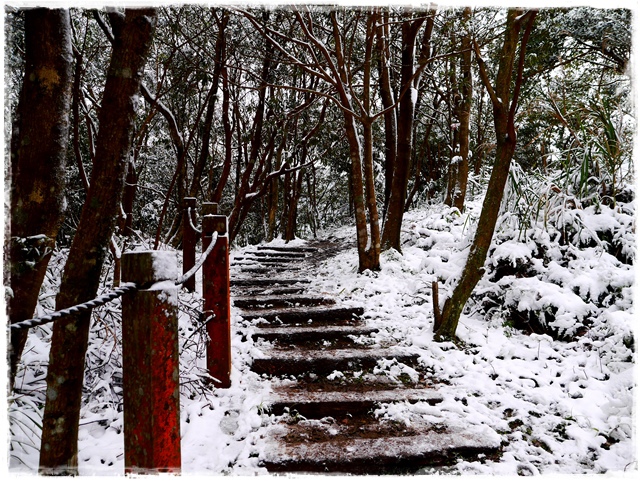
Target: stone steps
x=275, y=254
x=266, y=260
x=343, y=404
x=292, y=449
x=302, y=315
x=290, y=249
x=266, y=290
x=266, y=282
x=294, y=334
x=321, y=360
x=271, y=301
x=266, y=270
x=295, y=362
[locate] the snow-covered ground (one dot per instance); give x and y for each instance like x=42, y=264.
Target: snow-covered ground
x=561, y=406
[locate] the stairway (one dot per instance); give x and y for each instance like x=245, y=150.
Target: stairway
x=326, y=381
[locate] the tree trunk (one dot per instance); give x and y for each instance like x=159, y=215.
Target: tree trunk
x=38, y=153
x=313, y=204
x=216, y=195
x=453, y=97
x=390, y=117
x=504, y=108
x=237, y=216
x=75, y=108
x=290, y=231
x=395, y=213
x=128, y=199
x=362, y=185
x=296, y=191
x=462, y=112
x=220, y=47
x=272, y=209
x=133, y=34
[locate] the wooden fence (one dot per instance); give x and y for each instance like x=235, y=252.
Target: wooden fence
x=150, y=339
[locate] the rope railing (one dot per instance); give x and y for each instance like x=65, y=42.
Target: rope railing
x=150, y=337
x=85, y=306
x=195, y=229
x=191, y=272
x=109, y=296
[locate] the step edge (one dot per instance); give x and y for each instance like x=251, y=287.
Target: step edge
x=424, y=445
x=335, y=354
x=306, y=329
x=378, y=396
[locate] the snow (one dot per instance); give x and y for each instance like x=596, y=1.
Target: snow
x=558, y=406
x=561, y=407
x=167, y=292
x=414, y=95
x=165, y=265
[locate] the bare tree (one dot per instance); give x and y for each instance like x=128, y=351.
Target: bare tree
x=133, y=33
x=333, y=62
x=462, y=98
x=38, y=153
x=504, y=98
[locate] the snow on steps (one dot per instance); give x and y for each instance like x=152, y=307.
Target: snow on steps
x=289, y=249
x=266, y=290
x=269, y=282
x=320, y=404
x=299, y=334
x=330, y=427
x=267, y=270
x=245, y=260
x=376, y=455
x=308, y=315
x=271, y=301
x=294, y=362
x=265, y=254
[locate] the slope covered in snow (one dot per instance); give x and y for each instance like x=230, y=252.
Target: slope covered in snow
x=545, y=358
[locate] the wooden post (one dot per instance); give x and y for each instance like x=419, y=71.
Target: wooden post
x=151, y=364
x=216, y=293
x=189, y=240
x=209, y=208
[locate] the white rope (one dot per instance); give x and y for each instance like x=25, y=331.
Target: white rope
x=203, y=257
x=191, y=221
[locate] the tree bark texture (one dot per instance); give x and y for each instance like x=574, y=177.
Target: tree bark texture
x=38, y=153
x=390, y=117
x=504, y=102
x=133, y=33
x=399, y=183
x=463, y=113
x=220, y=48
x=216, y=194
x=463, y=97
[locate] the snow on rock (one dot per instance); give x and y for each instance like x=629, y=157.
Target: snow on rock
x=514, y=252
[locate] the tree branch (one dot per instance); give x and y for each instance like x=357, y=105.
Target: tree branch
x=523, y=49
x=483, y=74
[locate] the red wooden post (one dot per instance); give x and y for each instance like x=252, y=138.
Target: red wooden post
x=189, y=240
x=209, y=208
x=151, y=364
x=216, y=293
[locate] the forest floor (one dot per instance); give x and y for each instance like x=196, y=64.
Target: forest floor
x=546, y=356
